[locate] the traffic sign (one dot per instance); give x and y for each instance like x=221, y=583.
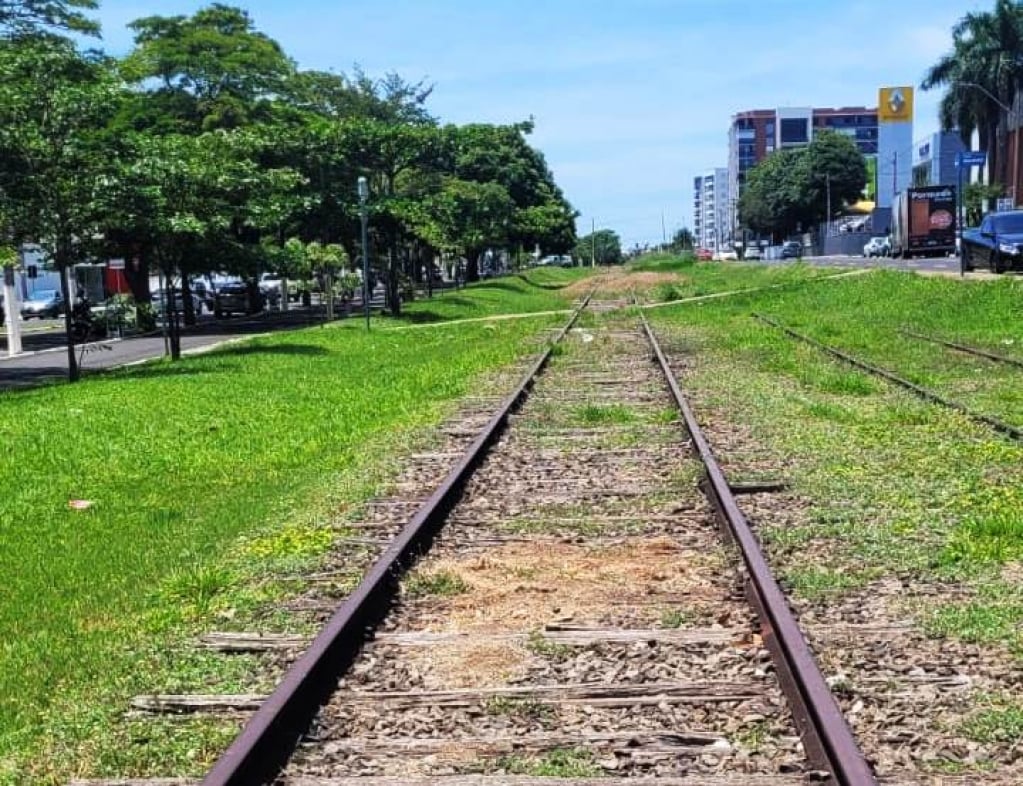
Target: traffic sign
x=968, y=158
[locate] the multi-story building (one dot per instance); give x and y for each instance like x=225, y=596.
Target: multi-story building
x=756, y=133
x=711, y=227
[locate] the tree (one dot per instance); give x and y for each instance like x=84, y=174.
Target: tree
x=500, y=154
x=19, y=18
x=54, y=103
x=214, y=67
x=683, y=240
x=185, y=198
x=982, y=73
x=789, y=190
x=602, y=246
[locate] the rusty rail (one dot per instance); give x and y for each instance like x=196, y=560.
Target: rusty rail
x=964, y=348
x=267, y=740
x=827, y=738
x=928, y=395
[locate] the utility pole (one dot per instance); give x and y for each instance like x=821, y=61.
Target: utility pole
x=895, y=173
x=593, y=242
x=827, y=179
x=664, y=234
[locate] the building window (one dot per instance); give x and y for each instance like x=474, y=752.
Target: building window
x=793, y=131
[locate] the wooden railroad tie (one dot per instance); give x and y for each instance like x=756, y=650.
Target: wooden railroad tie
x=591, y=694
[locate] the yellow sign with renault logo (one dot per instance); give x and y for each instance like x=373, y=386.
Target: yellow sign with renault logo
x=895, y=105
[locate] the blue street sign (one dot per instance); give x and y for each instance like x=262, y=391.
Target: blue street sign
x=968, y=158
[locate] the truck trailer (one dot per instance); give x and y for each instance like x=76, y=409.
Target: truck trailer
x=924, y=222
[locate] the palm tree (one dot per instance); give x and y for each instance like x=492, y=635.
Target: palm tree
x=982, y=74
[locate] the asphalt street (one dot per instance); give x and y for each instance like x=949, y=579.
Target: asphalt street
x=45, y=353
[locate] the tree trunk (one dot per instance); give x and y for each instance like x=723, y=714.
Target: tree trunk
x=136, y=273
x=73, y=373
x=171, y=315
x=393, y=289
x=187, y=305
x=472, y=265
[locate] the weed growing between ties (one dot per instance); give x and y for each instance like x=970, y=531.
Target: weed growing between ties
x=899, y=487
x=211, y=481
x=442, y=583
x=546, y=648
x=558, y=763
x=525, y=709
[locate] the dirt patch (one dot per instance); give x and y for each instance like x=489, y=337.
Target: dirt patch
x=617, y=282
x=468, y=664
x=518, y=588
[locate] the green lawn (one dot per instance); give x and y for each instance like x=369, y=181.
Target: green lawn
x=248, y=450
x=900, y=486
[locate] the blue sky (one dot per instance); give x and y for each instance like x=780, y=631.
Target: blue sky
x=631, y=98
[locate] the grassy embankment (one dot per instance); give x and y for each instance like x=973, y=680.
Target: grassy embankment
x=205, y=479
x=899, y=488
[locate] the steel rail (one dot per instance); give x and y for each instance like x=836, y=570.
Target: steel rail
x=827, y=738
x=271, y=734
x=929, y=395
x=964, y=348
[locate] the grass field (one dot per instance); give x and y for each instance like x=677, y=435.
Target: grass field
x=205, y=476
x=126, y=500
x=905, y=488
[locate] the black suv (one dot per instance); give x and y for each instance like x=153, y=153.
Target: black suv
x=234, y=299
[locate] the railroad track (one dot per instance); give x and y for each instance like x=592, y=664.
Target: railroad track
x=928, y=395
x=965, y=348
x=578, y=615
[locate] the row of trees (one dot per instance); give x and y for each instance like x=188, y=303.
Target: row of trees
x=981, y=75
x=792, y=188
x=206, y=148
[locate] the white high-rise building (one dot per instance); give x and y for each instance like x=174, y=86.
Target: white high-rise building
x=711, y=221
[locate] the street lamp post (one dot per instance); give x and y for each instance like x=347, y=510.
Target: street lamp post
x=363, y=195
x=1013, y=117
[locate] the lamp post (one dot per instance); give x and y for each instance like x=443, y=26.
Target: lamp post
x=363, y=194
x=1013, y=117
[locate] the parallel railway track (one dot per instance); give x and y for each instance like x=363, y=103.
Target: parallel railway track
x=561, y=604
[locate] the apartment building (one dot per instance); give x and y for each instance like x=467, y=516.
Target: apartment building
x=756, y=133
x=711, y=216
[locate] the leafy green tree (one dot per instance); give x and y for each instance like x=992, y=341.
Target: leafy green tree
x=20, y=18
x=213, y=69
x=604, y=246
x=184, y=197
x=500, y=154
x=683, y=240
x=983, y=71
x=789, y=190
x=54, y=103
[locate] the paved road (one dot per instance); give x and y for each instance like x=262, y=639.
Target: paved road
x=937, y=264
x=45, y=358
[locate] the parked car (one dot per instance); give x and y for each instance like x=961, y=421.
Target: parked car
x=234, y=299
x=996, y=244
x=704, y=254
x=753, y=252
x=791, y=249
x=159, y=301
x=204, y=292
x=42, y=304
x=879, y=246
x=728, y=255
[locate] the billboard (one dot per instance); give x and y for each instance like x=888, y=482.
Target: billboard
x=895, y=105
